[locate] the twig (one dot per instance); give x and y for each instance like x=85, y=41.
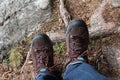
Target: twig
x=65, y=15
x=27, y=58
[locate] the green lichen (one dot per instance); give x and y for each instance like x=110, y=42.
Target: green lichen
x=59, y=48
x=15, y=57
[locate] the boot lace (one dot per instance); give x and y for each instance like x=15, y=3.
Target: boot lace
x=75, y=45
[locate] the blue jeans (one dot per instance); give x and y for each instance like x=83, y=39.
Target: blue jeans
x=76, y=71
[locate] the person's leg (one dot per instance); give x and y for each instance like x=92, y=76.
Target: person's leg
x=77, y=39
x=45, y=77
x=42, y=56
x=81, y=71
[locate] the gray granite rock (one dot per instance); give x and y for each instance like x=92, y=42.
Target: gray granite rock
x=113, y=55
x=115, y=3
x=98, y=23
x=43, y=4
x=18, y=18
x=113, y=58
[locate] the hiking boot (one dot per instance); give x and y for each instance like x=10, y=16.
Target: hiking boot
x=77, y=39
x=42, y=53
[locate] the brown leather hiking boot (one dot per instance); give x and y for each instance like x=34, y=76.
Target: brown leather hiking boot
x=42, y=53
x=77, y=39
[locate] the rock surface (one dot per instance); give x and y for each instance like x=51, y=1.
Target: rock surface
x=99, y=26
x=113, y=58
x=18, y=18
x=113, y=54
x=115, y=3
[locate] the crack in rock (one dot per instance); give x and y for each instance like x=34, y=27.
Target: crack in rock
x=18, y=18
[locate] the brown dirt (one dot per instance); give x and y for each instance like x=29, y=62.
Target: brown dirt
x=112, y=14
x=55, y=24
x=97, y=57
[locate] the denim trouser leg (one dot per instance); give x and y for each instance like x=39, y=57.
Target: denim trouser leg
x=78, y=71
x=45, y=77
x=82, y=71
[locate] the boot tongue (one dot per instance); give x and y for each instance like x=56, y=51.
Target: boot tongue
x=79, y=58
x=43, y=70
x=75, y=55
